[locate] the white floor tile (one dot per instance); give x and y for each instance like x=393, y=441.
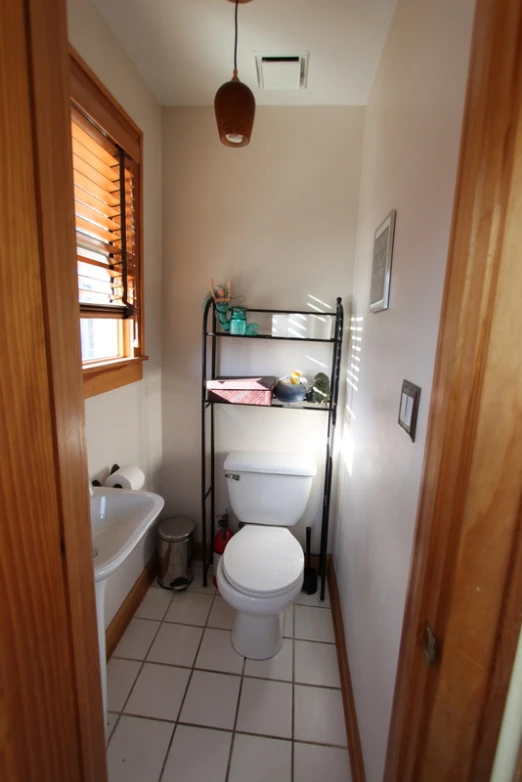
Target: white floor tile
x=319, y=715
x=313, y=600
x=121, y=675
x=137, y=639
x=278, y=667
x=256, y=759
x=198, y=755
x=155, y=603
x=314, y=624
x=312, y=762
x=289, y=623
x=158, y=692
x=216, y=652
x=175, y=645
x=196, y=584
x=211, y=700
x=111, y=722
x=316, y=664
x=222, y=615
x=265, y=707
x=189, y=608
x=137, y=750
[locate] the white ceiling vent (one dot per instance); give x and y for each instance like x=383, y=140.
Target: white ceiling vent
x=282, y=71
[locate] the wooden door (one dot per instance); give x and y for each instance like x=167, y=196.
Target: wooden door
x=51, y=724
x=466, y=579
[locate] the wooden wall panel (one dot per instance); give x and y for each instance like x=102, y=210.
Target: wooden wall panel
x=38, y=717
x=52, y=137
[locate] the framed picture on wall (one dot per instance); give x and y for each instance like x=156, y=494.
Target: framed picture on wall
x=381, y=264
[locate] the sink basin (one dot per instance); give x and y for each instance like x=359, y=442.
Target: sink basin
x=119, y=518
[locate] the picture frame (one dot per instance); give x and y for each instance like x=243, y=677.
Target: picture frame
x=382, y=263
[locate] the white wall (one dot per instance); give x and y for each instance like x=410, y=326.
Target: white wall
x=124, y=425
x=510, y=739
x=278, y=218
x=411, y=145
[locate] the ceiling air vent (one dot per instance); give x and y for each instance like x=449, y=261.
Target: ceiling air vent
x=282, y=71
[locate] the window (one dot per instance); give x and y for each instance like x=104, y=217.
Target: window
x=106, y=150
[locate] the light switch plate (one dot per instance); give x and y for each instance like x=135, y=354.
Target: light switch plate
x=409, y=406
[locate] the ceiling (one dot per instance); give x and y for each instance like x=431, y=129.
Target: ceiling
x=183, y=49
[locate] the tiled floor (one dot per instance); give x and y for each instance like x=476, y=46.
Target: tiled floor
x=183, y=705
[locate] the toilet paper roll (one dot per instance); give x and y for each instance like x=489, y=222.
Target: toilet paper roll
x=127, y=477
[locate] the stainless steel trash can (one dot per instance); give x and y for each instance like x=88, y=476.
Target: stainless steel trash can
x=175, y=545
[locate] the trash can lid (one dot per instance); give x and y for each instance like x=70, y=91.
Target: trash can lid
x=176, y=529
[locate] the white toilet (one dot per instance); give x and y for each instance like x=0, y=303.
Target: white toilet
x=261, y=572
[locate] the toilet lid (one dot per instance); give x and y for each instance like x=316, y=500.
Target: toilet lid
x=263, y=561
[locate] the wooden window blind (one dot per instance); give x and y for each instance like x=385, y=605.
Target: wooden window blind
x=105, y=199
x=107, y=174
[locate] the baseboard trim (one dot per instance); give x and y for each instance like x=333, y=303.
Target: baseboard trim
x=130, y=605
x=350, y=715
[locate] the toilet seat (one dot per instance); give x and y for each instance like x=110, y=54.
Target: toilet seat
x=262, y=561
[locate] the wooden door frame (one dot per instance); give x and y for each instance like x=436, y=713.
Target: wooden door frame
x=75, y=749
x=446, y=719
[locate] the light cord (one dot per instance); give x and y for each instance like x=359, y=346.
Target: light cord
x=235, y=40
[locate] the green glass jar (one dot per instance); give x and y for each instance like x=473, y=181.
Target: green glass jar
x=238, y=321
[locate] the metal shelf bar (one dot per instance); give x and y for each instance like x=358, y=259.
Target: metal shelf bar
x=275, y=404
x=268, y=336
x=296, y=312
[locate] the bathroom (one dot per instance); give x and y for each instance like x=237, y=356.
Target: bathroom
x=290, y=221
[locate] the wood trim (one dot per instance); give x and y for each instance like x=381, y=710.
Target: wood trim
x=50, y=85
x=93, y=97
x=350, y=714
x=468, y=525
x=106, y=377
x=130, y=605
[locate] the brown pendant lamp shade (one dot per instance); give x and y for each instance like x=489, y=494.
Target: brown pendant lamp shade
x=235, y=106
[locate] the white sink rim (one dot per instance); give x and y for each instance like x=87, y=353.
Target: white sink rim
x=142, y=525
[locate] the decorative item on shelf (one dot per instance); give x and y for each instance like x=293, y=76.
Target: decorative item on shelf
x=238, y=323
x=234, y=104
x=232, y=320
x=291, y=389
x=241, y=390
x=319, y=391
x=221, y=293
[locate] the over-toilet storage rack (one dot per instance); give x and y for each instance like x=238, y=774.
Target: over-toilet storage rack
x=208, y=437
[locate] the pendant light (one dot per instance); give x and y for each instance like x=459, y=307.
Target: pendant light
x=235, y=105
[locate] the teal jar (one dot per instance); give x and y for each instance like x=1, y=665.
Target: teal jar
x=238, y=321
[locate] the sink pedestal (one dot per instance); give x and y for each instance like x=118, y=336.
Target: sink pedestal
x=100, y=619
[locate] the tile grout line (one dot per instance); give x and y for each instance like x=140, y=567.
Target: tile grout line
x=229, y=764
x=292, y=747
x=142, y=663
x=161, y=621
x=185, y=693
x=121, y=712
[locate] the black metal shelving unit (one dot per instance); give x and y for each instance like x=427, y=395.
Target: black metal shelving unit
x=210, y=332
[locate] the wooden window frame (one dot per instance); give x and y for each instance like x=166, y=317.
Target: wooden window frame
x=89, y=94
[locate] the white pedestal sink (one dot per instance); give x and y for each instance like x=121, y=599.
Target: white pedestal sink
x=120, y=518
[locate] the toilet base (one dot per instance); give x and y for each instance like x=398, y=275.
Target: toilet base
x=257, y=636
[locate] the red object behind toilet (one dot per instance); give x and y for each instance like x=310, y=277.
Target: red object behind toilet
x=221, y=539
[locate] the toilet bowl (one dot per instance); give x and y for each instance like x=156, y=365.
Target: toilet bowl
x=260, y=575
x=261, y=571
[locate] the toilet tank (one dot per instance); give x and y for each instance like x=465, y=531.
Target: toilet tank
x=269, y=488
